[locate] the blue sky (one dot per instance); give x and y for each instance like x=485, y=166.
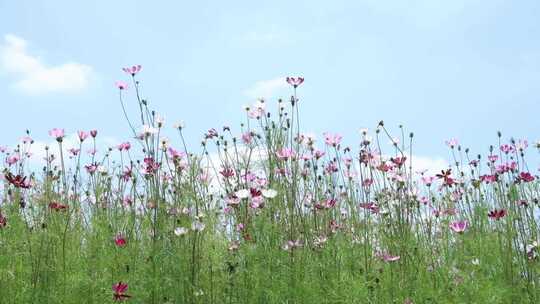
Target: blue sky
x=462, y=68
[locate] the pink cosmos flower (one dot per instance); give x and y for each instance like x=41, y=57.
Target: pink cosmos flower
x=93, y=133
x=285, y=153
x=82, y=135
x=27, y=139
x=121, y=85
x=390, y=258
x=452, y=142
x=57, y=133
x=493, y=158
x=458, y=226
x=132, y=70
x=174, y=154
x=332, y=139
x=370, y=206
x=247, y=137
x=507, y=148
x=295, y=81
x=150, y=166
x=91, y=168
x=13, y=159
x=428, y=180
x=124, y=146
x=488, y=179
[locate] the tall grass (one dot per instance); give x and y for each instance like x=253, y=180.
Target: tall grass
x=265, y=214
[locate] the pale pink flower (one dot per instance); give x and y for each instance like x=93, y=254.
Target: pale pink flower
x=13, y=159
x=285, y=153
x=82, y=135
x=57, y=133
x=332, y=139
x=452, y=142
x=121, y=85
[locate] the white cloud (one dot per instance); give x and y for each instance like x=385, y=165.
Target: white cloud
x=35, y=77
x=267, y=88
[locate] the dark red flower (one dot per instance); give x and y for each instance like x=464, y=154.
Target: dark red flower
x=227, y=172
x=497, y=214
x=18, y=181
x=255, y=192
x=3, y=221
x=445, y=176
x=57, y=206
x=526, y=177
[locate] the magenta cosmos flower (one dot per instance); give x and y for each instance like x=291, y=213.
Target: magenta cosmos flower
x=295, y=81
x=132, y=70
x=458, y=226
x=119, y=290
x=57, y=133
x=120, y=240
x=526, y=177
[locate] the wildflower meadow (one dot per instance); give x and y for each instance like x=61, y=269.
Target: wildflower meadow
x=263, y=212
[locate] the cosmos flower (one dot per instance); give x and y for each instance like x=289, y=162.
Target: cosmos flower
x=295, y=81
x=121, y=85
x=497, y=214
x=458, y=226
x=57, y=133
x=119, y=291
x=133, y=70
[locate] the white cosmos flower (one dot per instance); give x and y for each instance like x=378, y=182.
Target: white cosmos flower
x=148, y=130
x=179, y=125
x=179, y=231
x=160, y=121
x=243, y=193
x=197, y=226
x=269, y=193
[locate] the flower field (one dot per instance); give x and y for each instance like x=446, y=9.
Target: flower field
x=265, y=213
